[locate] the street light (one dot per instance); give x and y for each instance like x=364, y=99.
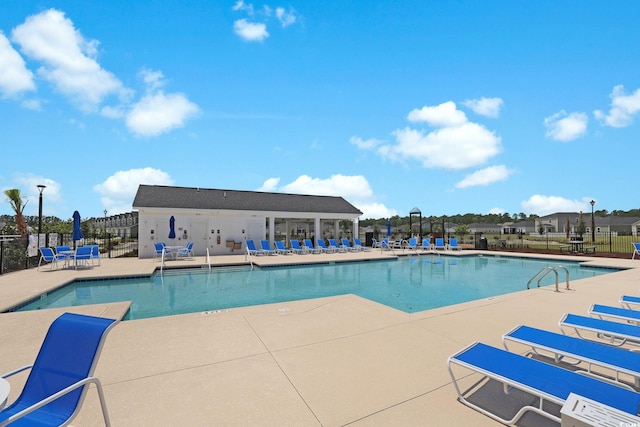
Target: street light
x=40, y=190
x=593, y=222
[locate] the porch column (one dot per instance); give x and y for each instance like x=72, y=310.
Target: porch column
x=272, y=229
x=318, y=228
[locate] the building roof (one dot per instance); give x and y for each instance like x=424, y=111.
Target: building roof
x=158, y=196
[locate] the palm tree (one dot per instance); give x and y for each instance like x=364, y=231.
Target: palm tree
x=15, y=200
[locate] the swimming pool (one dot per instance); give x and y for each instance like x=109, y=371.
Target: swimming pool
x=410, y=284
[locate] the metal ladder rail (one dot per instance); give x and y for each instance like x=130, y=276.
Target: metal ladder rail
x=247, y=256
x=547, y=271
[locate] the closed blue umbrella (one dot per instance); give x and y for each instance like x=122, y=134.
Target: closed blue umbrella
x=388, y=228
x=77, y=232
x=172, y=227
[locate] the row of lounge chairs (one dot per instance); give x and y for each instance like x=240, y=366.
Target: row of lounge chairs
x=412, y=244
x=600, y=368
x=307, y=248
x=81, y=256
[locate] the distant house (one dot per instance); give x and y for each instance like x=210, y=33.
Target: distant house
x=567, y=223
x=220, y=220
x=478, y=227
x=123, y=225
x=520, y=227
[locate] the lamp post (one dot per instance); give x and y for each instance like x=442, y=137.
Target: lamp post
x=105, y=223
x=40, y=190
x=593, y=222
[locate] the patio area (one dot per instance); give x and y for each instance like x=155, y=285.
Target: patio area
x=332, y=361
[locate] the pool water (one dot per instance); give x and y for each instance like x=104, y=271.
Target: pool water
x=409, y=284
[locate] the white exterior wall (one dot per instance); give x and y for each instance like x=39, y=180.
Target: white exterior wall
x=213, y=228
x=205, y=229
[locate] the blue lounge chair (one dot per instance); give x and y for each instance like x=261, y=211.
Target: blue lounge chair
x=313, y=249
x=586, y=353
x=426, y=244
x=61, y=374
x=95, y=253
x=62, y=248
x=335, y=247
x=296, y=248
x=159, y=249
x=614, y=332
x=358, y=245
x=47, y=255
x=266, y=247
x=348, y=247
x=629, y=301
x=453, y=244
x=439, y=244
x=376, y=244
x=282, y=249
x=547, y=382
x=625, y=314
x=82, y=256
x=636, y=250
x=323, y=248
x=252, y=250
x=185, y=252
x=384, y=243
x=411, y=244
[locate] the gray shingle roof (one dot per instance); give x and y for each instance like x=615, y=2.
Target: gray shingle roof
x=157, y=196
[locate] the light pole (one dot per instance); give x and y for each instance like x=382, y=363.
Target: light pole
x=593, y=223
x=105, y=223
x=40, y=190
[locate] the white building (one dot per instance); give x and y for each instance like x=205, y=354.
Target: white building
x=221, y=220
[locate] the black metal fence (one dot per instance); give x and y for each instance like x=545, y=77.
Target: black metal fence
x=14, y=254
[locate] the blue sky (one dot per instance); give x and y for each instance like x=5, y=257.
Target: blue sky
x=448, y=106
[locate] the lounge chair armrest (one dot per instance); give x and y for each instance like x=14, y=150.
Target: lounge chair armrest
x=16, y=371
x=40, y=404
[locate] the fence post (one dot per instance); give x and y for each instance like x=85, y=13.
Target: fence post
x=610, y=242
x=1, y=255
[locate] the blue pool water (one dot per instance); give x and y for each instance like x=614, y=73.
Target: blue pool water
x=409, y=284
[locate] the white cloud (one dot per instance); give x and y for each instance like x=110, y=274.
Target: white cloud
x=156, y=112
x=250, y=31
x=355, y=189
x=566, y=127
x=443, y=115
x=69, y=59
x=160, y=113
x=485, y=176
x=152, y=78
x=52, y=194
x=467, y=145
x=32, y=104
x=118, y=191
x=489, y=107
x=623, y=108
x=270, y=185
x=240, y=5
x=543, y=205
x=15, y=78
x=363, y=144
x=285, y=18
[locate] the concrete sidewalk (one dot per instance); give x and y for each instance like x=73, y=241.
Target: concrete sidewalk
x=333, y=361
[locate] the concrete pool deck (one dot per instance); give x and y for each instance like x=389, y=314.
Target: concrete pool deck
x=332, y=361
